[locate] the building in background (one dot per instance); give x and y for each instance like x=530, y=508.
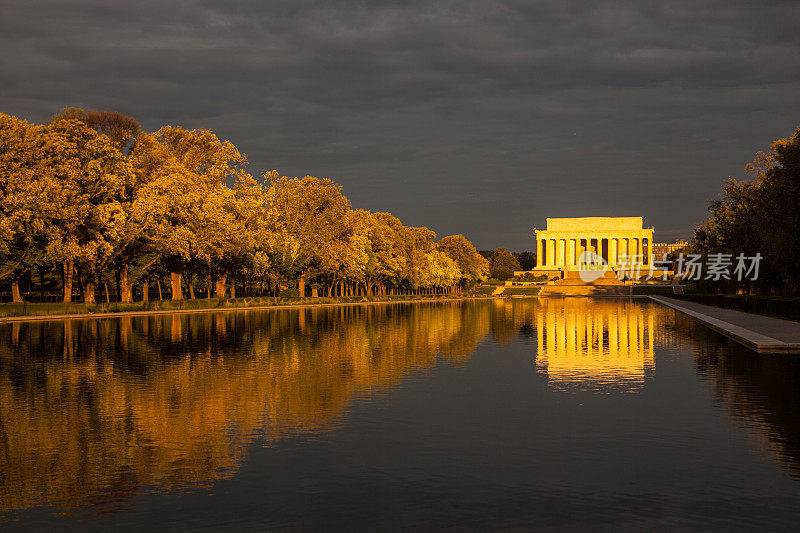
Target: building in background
x=660, y=249
x=622, y=242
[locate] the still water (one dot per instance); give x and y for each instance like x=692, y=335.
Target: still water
x=494, y=414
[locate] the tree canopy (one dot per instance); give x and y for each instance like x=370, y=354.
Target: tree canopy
x=503, y=264
x=93, y=197
x=761, y=216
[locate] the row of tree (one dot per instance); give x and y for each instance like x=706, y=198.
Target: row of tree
x=760, y=216
x=93, y=197
x=503, y=264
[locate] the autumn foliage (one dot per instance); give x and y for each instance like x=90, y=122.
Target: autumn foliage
x=176, y=213
x=760, y=216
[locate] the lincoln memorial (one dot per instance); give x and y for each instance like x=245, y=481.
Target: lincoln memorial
x=622, y=242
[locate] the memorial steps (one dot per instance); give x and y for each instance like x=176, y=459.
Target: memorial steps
x=573, y=285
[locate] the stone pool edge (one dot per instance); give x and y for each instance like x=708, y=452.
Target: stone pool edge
x=751, y=339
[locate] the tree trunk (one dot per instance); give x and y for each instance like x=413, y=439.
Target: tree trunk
x=16, y=297
x=105, y=285
x=88, y=291
x=125, y=288
x=69, y=268
x=301, y=285
x=177, y=290
x=233, y=287
x=314, y=292
x=221, y=289
x=160, y=296
x=145, y=291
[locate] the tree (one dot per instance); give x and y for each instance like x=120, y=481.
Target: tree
x=439, y=271
x=417, y=243
x=121, y=129
x=109, y=203
x=191, y=211
x=503, y=264
x=307, y=224
x=471, y=264
x=27, y=196
x=384, y=257
x=90, y=174
x=761, y=216
x=527, y=260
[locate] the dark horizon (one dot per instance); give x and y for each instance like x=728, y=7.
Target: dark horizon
x=465, y=117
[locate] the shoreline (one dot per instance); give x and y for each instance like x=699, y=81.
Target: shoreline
x=277, y=306
x=282, y=306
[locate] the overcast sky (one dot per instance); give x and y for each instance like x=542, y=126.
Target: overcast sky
x=482, y=118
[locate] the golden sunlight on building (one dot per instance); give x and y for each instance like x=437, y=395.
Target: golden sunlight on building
x=620, y=241
x=589, y=345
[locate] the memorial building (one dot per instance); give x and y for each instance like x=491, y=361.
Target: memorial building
x=621, y=242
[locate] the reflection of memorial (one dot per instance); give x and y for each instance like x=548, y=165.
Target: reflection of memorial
x=91, y=411
x=587, y=344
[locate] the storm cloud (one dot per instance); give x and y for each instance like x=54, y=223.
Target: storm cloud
x=472, y=117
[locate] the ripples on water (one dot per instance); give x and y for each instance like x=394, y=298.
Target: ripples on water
x=125, y=420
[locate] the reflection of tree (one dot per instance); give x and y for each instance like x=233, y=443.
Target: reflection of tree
x=90, y=411
x=510, y=317
x=761, y=391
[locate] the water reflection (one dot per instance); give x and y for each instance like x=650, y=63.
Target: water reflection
x=598, y=345
x=95, y=412
x=760, y=392
x=91, y=411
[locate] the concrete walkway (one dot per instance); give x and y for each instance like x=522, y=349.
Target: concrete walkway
x=760, y=333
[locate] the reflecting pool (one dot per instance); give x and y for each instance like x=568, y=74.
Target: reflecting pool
x=493, y=414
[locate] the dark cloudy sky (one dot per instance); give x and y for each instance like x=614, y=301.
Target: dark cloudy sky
x=481, y=118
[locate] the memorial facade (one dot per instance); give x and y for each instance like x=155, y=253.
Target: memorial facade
x=622, y=242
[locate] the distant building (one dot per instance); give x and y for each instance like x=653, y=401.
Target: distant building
x=618, y=240
x=660, y=249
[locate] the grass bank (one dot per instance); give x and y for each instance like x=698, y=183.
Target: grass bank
x=484, y=290
x=521, y=291
x=25, y=309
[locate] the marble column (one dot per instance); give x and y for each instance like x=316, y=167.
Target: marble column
x=612, y=251
x=539, y=252
x=570, y=252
